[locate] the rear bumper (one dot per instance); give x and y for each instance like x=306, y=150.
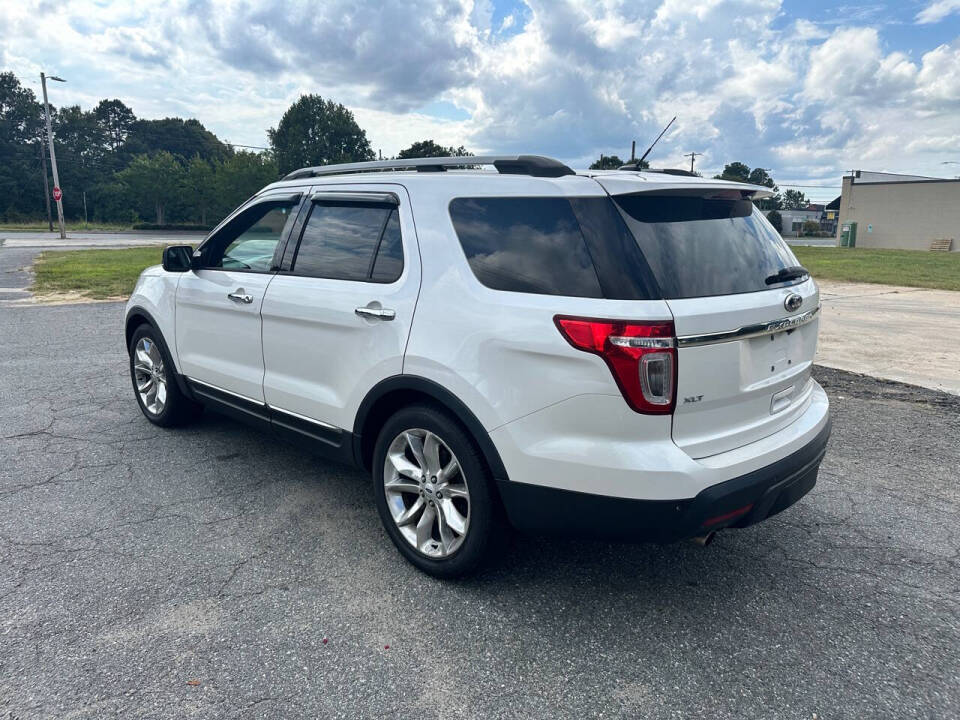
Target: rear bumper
x=738, y=502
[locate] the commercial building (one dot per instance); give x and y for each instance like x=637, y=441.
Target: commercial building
x=793, y=220
x=908, y=212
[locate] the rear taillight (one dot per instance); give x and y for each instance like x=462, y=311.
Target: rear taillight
x=641, y=356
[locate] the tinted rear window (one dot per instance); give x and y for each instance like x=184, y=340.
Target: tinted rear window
x=577, y=247
x=698, y=247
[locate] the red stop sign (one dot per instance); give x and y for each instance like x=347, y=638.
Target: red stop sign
x=57, y=193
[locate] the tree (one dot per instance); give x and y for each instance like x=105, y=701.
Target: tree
x=776, y=219
x=238, y=177
x=199, y=189
x=175, y=136
x=115, y=119
x=811, y=227
x=736, y=171
x=740, y=172
x=81, y=146
x=607, y=162
x=428, y=148
x=794, y=200
x=314, y=131
x=21, y=137
x=154, y=181
x=759, y=176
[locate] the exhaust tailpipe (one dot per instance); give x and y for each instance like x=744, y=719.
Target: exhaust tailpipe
x=703, y=540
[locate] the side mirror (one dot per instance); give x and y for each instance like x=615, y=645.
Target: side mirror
x=177, y=258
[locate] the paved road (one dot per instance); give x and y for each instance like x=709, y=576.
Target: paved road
x=812, y=241
x=899, y=333
x=133, y=238
x=134, y=561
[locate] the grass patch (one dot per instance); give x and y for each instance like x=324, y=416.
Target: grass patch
x=912, y=268
x=96, y=274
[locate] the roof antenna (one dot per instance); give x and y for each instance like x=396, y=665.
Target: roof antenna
x=644, y=156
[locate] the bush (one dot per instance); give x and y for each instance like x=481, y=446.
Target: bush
x=171, y=226
x=776, y=219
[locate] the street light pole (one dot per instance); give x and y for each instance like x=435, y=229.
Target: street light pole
x=53, y=155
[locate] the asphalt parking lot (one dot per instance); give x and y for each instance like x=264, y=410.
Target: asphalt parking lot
x=209, y=572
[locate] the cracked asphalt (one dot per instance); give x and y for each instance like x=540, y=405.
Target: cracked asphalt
x=210, y=572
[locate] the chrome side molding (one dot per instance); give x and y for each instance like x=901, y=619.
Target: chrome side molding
x=749, y=331
x=260, y=403
x=298, y=416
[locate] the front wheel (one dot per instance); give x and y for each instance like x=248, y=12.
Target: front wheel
x=434, y=492
x=154, y=383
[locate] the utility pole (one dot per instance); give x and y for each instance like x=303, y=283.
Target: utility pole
x=53, y=156
x=46, y=185
x=692, y=156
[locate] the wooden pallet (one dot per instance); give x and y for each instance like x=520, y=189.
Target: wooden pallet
x=942, y=245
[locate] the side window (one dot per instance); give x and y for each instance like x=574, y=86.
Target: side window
x=250, y=239
x=525, y=244
x=389, y=261
x=340, y=242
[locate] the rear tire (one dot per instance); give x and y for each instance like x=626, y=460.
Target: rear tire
x=442, y=511
x=155, y=382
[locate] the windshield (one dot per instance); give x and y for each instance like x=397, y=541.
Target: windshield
x=699, y=247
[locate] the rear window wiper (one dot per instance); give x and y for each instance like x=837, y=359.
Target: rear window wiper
x=787, y=273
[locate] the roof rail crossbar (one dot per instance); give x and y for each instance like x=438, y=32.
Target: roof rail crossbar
x=534, y=165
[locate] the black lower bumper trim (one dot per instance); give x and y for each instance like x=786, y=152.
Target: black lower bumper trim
x=739, y=502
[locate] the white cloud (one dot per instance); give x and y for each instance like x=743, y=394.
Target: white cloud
x=850, y=63
x=937, y=11
x=939, y=78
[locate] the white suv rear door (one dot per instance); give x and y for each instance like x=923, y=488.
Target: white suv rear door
x=745, y=314
x=337, y=316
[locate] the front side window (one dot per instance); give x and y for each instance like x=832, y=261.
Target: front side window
x=351, y=241
x=249, y=240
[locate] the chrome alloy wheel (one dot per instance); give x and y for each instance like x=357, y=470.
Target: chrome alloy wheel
x=427, y=493
x=149, y=376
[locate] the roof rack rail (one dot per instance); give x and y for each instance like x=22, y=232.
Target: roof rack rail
x=534, y=165
x=665, y=171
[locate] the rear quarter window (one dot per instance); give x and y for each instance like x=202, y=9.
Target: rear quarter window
x=530, y=245
x=576, y=247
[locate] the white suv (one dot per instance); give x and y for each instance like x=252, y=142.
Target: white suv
x=623, y=353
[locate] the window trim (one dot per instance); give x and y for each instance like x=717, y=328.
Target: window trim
x=343, y=196
x=333, y=199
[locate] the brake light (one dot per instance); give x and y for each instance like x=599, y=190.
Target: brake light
x=641, y=356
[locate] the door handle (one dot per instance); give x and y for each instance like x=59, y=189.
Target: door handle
x=376, y=313
x=240, y=296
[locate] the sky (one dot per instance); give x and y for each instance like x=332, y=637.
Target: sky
x=808, y=89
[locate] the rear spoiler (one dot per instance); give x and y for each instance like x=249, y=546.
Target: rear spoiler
x=625, y=183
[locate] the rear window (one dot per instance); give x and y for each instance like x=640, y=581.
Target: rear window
x=698, y=247
x=578, y=247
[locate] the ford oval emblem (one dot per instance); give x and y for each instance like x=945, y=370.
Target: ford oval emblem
x=792, y=302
